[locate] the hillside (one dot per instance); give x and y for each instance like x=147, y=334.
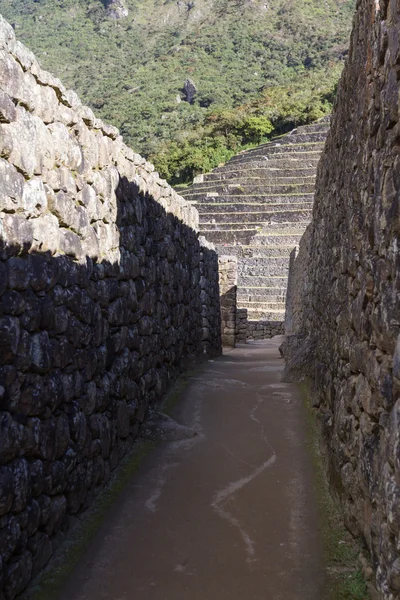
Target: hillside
x=245, y=55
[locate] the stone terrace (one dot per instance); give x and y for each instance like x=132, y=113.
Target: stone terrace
x=257, y=207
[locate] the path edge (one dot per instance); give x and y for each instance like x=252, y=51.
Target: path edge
x=50, y=581
x=346, y=567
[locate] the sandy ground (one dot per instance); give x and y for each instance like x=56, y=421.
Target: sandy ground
x=229, y=514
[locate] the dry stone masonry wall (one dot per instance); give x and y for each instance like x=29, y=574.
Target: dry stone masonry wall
x=228, y=269
x=106, y=293
x=344, y=310
x=257, y=207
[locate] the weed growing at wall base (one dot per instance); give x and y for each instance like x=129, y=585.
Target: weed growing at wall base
x=343, y=568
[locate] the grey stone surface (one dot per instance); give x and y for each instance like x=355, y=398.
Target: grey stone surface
x=106, y=294
x=343, y=306
x=256, y=207
x=228, y=290
x=161, y=427
x=116, y=9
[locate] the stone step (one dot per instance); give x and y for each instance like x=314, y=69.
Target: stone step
x=261, y=216
x=217, y=209
x=259, y=190
x=262, y=292
x=262, y=280
x=281, y=229
x=269, y=159
x=255, y=314
x=251, y=200
x=270, y=299
x=271, y=234
x=255, y=186
x=294, y=144
x=261, y=173
x=296, y=161
x=208, y=227
x=246, y=182
x=263, y=307
x=278, y=306
x=255, y=251
x=275, y=239
x=232, y=236
x=261, y=262
x=256, y=207
x=239, y=222
x=271, y=150
x=276, y=162
x=269, y=192
x=270, y=269
x=321, y=127
x=296, y=137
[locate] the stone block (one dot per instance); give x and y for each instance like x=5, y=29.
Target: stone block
x=7, y=108
x=6, y=490
x=16, y=235
x=9, y=338
x=20, y=474
x=27, y=144
x=18, y=575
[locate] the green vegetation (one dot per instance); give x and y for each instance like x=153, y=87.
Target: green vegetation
x=345, y=579
x=259, y=67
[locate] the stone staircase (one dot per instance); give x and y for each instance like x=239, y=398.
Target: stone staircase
x=257, y=207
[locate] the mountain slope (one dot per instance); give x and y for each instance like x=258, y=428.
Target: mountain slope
x=132, y=70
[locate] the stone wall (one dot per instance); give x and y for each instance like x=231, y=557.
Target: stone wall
x=299, y=286
x=261, y=330
x=256, y=207
x=105, y=290
x=348, y=327
x=228, y=298
x=241, y=325
x=209, y=284
x=247, y=330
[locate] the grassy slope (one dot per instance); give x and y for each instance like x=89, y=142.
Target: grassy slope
x=132, y=70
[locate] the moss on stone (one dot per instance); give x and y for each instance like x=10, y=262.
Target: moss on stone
x=48, y=584
x=344, y=576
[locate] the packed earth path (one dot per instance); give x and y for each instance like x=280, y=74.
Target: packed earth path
x=230, y=513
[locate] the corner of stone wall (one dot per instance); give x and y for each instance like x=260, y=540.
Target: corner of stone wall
x=241, y=325
x=298, y=349
x=209, y=284
x=290, y=293
x=228, y=272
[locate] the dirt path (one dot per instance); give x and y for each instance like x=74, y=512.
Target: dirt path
x=229, y=514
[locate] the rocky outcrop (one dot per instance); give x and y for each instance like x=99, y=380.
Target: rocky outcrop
x=257, y=207
x=189, y=90
x=106, y=293
x=116, y=9
x=343, y=306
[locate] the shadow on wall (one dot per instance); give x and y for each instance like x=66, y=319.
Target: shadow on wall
x=86, y=348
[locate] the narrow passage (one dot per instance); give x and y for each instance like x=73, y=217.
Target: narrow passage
x=229, y=514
